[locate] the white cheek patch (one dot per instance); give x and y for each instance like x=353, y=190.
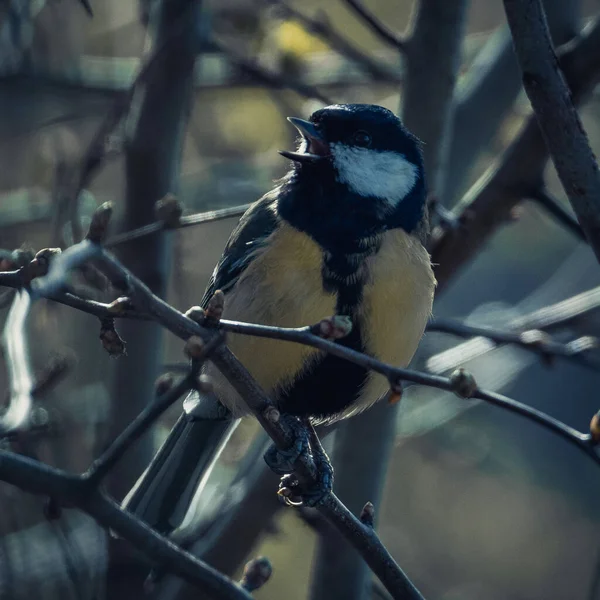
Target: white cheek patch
x=385, y=175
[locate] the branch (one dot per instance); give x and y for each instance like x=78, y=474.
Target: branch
x=489, y=203
x=554, y=317
x=337, y=42
x=360, y=474
x=360, y=535
x=74, y=490
x=270, y=78
x=185, y=221
x=555, y=112
x=385, y=34
x=433, y=53
x=364, y=539
x=103, y=464
x=396, y=375
x=488, y=91
x=552, y=206
x=561, y=314
x=532, y=340
x=16, y=352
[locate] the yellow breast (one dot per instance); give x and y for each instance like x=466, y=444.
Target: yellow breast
x=282, y=286
x=397, y=302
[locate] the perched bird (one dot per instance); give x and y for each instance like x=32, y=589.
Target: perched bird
x=342, y=233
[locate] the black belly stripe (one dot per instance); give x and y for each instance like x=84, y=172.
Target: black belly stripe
x=330, y=385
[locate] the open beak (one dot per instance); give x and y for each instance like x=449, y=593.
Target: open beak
x=316, y=146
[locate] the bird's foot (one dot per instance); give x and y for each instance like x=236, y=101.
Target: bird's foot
x=282, y=461
x=305, y=441
x=294, y=493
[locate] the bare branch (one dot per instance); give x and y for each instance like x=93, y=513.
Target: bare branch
x=303, y=335
x=433, y=53
x=561, y=314
x=51, y=374
x=37, y=478
x=185, y=221
x=337, y=42
x=59, y=270
x=554, y=109
x=489, y=203
x=272, y=79
x=363, y=538
x=16, y=351
x=360, y=474
x=552, y=206
x=102, y=465
x=488, y=91
x=564, y=314
x=532, y=340
x=385, y=34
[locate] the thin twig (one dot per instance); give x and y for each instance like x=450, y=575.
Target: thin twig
x=52, y=374
x=185, y=221
x=385, y=34
x=100, y=147
x=270, y=78
x=362, y=537
x=552, y=206
x=59, y=270
x=532, y=340
x=556, y=114
x=103, y=464
x=303, y=335
x=337, y=42
x=75, y=490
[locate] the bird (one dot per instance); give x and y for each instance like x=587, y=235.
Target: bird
x=342, y=233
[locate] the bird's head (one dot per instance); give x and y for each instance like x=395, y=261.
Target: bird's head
x=366, y=153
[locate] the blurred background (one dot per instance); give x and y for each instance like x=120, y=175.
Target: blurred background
x=477, y=503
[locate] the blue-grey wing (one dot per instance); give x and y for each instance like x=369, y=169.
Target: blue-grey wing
x=257, y=224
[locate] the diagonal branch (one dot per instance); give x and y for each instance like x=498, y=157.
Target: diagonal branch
x=459, y=382
x=267, y=77
x=74, y=490
x=185, y=221
x=385, y=34
x=488, y=91
x=532, y=340
x=361, y=535
x=489, y=203
x=552, y=206
x=103, y=464
x=378, y=71
x=556, y=115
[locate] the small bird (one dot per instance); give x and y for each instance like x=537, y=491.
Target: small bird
x=342, y=234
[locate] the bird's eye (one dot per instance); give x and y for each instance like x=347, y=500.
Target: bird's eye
x=361, y=138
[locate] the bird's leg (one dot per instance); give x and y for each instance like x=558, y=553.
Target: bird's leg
x=314, y=495
x=282, y=461
x=291, y=490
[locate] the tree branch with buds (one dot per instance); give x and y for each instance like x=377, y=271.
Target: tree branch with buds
x=208, y=344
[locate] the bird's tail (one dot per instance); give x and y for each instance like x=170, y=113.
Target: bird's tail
x=162, y=495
